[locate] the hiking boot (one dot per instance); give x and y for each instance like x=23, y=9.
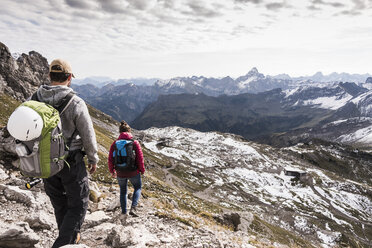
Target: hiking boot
x=133, y=211
x=123, y=219
x=78, y=238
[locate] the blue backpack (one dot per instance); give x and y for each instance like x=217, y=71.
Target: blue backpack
x=124, y=156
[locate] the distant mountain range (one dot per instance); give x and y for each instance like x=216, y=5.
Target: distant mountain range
x=102, y=81
x=327, y=112
x=127, y=101
x=255, y=106
x=333, y=77
x=317, y=77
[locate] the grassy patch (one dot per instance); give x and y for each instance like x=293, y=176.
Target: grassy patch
x=278, y=234
x=97, y=114
x=103, y=138
x=194, y=181
x=7, y=106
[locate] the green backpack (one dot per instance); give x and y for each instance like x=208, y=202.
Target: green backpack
x=44, y=156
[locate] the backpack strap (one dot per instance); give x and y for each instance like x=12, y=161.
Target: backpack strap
x=34, y=97
x=116, y=154
x=65, y=102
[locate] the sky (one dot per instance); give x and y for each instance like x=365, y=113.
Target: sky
x=214, y=38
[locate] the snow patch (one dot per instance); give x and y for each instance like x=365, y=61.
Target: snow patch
x=334, y=102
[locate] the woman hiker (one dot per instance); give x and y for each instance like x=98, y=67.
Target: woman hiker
x=125, y=174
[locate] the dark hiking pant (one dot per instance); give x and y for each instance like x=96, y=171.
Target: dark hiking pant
x=68, y=191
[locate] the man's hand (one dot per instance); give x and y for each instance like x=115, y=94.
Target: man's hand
x=92, y=168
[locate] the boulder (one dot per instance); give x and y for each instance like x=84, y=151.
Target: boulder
x=95, y=194
x=121, y=237
x=75, y=246
x=40, y=220
x=17, y=235
x=138, y=236
x=239, y=221
x=95, y=219
x=114, y=205
x=14, y=193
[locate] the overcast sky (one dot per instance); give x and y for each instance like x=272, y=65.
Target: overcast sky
x=167, y=38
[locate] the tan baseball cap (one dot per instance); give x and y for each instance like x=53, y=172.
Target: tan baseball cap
x=60, y=66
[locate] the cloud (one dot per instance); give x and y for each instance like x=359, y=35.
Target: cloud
x=34, y=22
x=114, y=6
x=358, y=7
x=249, y=1
x=80, y=4
x=197, y=8
x=275, y=6
x=141, y=29
x=317, y=3
x=359, y=4
x=142, y=4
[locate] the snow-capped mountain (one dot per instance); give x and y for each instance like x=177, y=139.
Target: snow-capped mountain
x=100, y=82
x=333, y=77
x=333, y=97
x=252, y=82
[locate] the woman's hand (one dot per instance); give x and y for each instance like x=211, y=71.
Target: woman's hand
x=114, y=175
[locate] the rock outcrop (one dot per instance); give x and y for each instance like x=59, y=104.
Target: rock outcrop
x=20, y=78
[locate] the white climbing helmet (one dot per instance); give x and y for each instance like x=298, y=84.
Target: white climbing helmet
x=25, y=124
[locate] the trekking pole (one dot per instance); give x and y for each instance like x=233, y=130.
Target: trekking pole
x=32, y=183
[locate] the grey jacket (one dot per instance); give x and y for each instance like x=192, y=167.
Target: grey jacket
x=75, y=117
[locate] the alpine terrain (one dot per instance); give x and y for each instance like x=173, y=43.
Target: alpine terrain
x=208, y=188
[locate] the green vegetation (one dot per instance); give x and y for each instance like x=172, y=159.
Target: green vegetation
x=194, y=182
x=8, y=105
x=278, y=234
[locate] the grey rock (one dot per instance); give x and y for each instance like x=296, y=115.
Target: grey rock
x=14, y=193
x=3, y=175
x=114, y=205
x=232, y=219
x=17, y=235
x=95, y=219
x=24, y=75
x=40, y=220
x=75, y=246
x=121, y=237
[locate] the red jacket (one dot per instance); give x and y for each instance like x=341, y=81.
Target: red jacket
x=139, y=158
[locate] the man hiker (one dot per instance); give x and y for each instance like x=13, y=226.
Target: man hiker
x=68, y=190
